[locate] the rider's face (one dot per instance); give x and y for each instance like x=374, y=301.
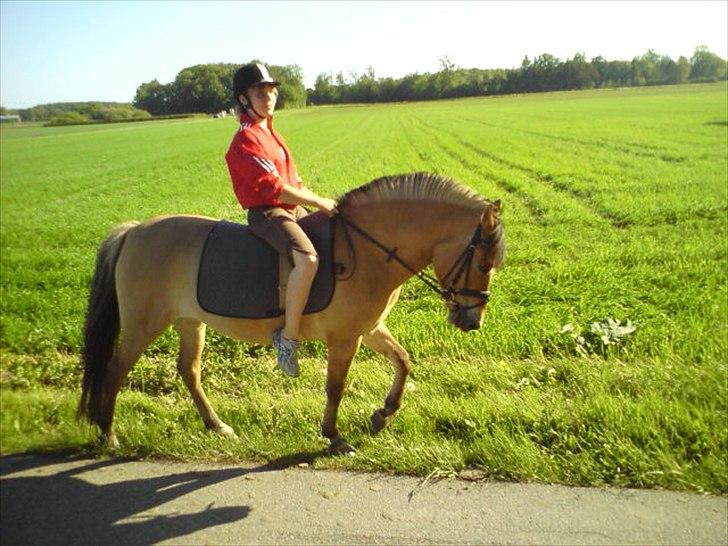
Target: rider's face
x=263, y=98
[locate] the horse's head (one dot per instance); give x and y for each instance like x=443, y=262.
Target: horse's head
x=465, y=272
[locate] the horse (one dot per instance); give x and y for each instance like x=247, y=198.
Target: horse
x=388, y=230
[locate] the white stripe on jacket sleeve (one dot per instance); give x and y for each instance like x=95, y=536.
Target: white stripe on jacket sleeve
x=265, y=164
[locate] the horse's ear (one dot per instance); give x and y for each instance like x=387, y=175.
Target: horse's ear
x=489, y=218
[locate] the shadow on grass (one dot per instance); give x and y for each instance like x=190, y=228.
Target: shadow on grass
x=62, y=507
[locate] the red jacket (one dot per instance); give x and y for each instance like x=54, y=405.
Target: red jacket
x=260, y=164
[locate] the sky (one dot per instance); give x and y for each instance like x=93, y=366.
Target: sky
x=82, y=51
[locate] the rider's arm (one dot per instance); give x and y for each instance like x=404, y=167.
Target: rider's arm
x=304, y=196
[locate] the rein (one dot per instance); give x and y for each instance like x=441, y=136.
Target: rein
x=461, y=265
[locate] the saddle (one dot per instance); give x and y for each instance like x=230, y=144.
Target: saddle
x=242, y=276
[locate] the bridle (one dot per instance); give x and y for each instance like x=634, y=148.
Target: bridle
x=461, y=266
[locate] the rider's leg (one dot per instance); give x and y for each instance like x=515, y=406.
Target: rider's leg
x=280, y=229
x=297, y=291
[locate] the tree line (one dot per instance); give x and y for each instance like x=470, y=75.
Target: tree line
x=206, y=88
x=544, y=73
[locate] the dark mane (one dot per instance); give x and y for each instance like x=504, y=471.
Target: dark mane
x=414, y=187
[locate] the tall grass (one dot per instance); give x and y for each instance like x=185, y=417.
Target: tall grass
x=616, y=215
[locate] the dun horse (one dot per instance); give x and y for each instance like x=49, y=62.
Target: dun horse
x=146, y=275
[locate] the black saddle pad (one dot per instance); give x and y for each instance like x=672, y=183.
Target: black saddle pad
x=239, y=277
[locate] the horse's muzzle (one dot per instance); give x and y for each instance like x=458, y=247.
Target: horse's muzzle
x=465, y=320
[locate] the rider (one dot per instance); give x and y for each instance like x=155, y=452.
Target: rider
x=266, y=183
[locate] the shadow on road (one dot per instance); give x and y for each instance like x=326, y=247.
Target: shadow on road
x=64, y=508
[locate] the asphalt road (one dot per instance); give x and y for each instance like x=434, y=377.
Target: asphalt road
x=60, y=500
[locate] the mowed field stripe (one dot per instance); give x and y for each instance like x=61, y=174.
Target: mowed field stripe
x=535, y=204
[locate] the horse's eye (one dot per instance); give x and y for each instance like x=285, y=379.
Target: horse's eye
x=483, y=269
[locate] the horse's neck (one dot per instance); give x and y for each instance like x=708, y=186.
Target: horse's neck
x=414, y=229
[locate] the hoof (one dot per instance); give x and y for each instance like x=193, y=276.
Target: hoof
x=224, y=430
x=339, y=446
x=109, y=441
x=379, y=420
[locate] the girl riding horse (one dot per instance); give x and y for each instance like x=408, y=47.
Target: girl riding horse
x=266, y=183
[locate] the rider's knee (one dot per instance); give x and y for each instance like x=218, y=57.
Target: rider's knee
x=307, y=262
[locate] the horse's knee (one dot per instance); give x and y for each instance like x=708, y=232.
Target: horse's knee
x=381, y=341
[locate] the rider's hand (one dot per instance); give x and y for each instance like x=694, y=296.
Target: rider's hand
x=328, y=206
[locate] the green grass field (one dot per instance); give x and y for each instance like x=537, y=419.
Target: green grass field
x=616, y=213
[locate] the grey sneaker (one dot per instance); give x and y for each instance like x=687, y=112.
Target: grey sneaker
x=286, y=349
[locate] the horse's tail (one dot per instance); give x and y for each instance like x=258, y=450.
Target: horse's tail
x=101, y=329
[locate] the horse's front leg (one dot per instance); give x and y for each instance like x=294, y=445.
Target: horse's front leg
x=341, y=353
x=381, y=340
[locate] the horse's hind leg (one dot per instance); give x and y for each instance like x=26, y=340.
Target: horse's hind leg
x=131, y=346
x=192, y=340
x=381, y=340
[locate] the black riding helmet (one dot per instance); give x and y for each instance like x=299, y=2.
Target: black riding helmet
x=248, y=76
